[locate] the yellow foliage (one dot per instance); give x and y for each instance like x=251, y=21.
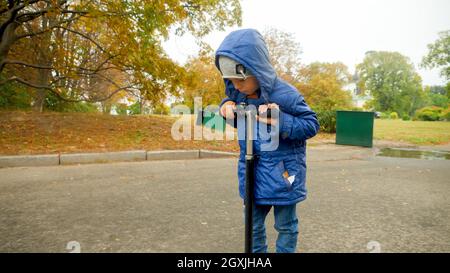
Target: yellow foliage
x=322, y=85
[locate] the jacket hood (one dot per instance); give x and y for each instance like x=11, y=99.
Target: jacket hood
x=247, y=46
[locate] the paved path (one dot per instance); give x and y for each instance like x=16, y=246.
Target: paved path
x=193, y=205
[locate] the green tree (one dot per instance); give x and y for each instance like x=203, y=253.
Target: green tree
x=439, y=54
x=390, y=78
x=436, y=96
x=438, y=89
x=447, y=88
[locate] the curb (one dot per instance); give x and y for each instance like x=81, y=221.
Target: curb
x=172, y=154
x=215, y=154
x=124, y=156
x=29, y=160
x=81, y=158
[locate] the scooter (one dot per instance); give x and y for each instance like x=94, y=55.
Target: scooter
x=250, y=119
x=242, y=111
x=250, y=158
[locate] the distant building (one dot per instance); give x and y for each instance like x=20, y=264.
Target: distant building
x=358, y=98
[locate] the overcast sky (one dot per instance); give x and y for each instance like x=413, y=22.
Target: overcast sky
x=342, y=30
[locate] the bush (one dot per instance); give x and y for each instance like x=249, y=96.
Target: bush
x=135, y=108
x=355, y=108
x=428, y=116
x=13, y=96
x=53, y=103
x=121, y=109
x=384, y=115
x=430, y=113
x=327, y=120
x=161, y=109
x=84, y=107
x=393, y=115
x=445, y=115
x=405, y=117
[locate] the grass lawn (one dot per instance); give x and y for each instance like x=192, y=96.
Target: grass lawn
x=415, y=132
x=23, y=132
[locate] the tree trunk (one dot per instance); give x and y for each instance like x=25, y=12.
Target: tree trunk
x=141, y=105
x=41, y=94
x=7, y=39
x=39, y=100
x=106, y=107
x=44, y=57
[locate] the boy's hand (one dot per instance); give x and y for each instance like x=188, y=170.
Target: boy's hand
x=262, y=109
x=227, y=110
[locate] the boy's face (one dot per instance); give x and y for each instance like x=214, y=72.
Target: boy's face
x=247, y=86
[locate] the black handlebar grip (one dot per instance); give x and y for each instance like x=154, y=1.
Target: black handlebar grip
x=241, y=107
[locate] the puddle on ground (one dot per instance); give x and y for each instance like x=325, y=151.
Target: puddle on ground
x=411, y=153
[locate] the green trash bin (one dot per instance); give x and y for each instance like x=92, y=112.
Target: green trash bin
x=354, y=128
x=211, y=119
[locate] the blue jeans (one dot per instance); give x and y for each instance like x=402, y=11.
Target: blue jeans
x=286, y=223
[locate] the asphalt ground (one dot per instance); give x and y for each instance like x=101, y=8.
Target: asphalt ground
x=357, y=202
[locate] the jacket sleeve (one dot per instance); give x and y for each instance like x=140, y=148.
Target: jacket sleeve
x=231, y=95
x=302, y=124
x=224, y=100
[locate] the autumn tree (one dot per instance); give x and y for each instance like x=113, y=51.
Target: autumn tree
x=202, y=80
x=284, y=52
x=390, y=78
x=322, y=85
x=81, y=42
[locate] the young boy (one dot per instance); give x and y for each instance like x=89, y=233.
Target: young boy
x=243, y=61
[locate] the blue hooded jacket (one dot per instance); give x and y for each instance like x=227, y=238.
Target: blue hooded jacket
x=297, y=123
